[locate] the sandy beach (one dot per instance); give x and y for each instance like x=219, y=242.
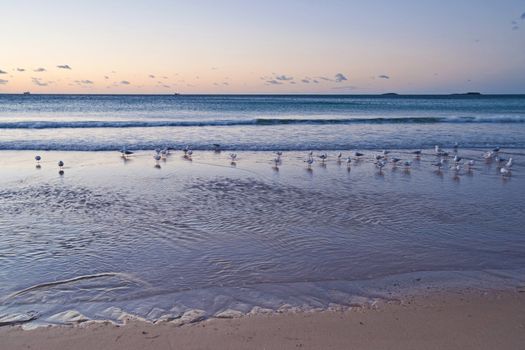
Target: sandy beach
x=446, y=321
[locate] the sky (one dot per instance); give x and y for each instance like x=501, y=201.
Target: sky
x=270, y=46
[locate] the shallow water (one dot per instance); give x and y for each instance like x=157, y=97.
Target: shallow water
x=113, y=236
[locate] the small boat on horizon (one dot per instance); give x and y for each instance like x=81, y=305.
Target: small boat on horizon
x=26, y=93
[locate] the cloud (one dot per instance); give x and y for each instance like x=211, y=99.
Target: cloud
x=315, y=81
x=325, y=78
x=40, y=69
x=306, y=81
x=515, y=28
x=106, y=77
x=283, y=77
x=346, y=87
x=3, y=72
x=84, y=82
x=152, y=76
x=339, y=77
x=39, y=82
x=382, y=76
x=20, y=69
x=3, y=81
x=125, y=82
x=293, y=82
x=273, y=82
x=523, y=16
x=63, y=66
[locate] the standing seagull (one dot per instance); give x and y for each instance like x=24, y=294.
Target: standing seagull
x=233, y=157
x=339, y=156
x=323, y=157
x=60, y=167
x=509, y=164
x=309, y=161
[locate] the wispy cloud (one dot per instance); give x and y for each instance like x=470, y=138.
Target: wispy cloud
x=346, y=87
x=125, y=82
x=523, y=16
x=152, y=76
x=383, y=76
x=306, y=81
x=64, y=66
x=39, y=70
x=339, y=77
x=283, y=77
x=3, y=81
x=106, y=77
x=273, y=82
x=39, y=82
x=84, y=82
x=3, y=72
x=20, y=70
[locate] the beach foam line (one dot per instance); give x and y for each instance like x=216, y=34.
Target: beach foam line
x=46, y=285
x=258, y=121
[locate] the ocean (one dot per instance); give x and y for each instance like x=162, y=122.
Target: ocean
x=112, y=238
x=253, y=122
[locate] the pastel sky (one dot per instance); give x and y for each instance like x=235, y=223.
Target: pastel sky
x=270, y=46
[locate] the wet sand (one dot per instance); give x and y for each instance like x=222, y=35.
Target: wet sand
x=446, y=321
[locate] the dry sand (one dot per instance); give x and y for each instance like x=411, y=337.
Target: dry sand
x=451, y=321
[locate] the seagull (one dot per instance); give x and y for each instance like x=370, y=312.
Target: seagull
x=471, y=163
x=125, y=153
x=185, y=150
x=456, y=145
x=457, y=159
x=417, y=153
x=395, y=161
x=339, y=157
x=60, y=164
x=437, y=149
x=348, y=161
x=439, y=164
x=380, y=164
x=278, y=158
x=379, y=156
x=488, y=155
x=505, y=172
x=357, y=154
x=190, y=153
x=276, y=162
x=157, y=157
x=407, y=163
x=233, y=157
x=496, y=150
x=509, y=164
x=323, y=157
x=309, y=162
x=38, y=158
x=385, y=152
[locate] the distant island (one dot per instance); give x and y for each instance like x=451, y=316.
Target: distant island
x=390, y=94
x=468, y=94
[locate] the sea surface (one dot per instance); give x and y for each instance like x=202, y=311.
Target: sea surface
x=185, y=239
x=109, y=122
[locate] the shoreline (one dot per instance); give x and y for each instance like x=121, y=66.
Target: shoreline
x=469, y=320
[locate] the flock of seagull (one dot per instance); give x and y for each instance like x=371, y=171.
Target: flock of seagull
x=380, y=160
